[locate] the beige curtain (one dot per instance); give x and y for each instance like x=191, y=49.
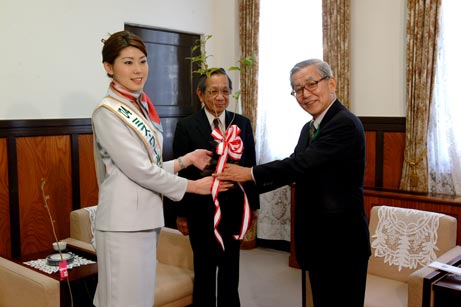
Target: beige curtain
x=422, y=38
x=336, y=43
x=249, y=37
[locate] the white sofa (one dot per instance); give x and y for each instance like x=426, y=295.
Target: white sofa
x=21, y=286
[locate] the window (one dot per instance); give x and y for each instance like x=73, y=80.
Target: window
x=290, y=32
x=444, y=136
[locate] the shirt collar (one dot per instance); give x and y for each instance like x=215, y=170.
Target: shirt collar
x=210, y=118
x=322, y=115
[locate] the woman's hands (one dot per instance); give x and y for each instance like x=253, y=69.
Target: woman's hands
x=203, y=186
x=200, y=158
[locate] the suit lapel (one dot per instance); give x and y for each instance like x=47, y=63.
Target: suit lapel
x=202, y=131
x=203, y=126
x=335, y=108
x=303, y=139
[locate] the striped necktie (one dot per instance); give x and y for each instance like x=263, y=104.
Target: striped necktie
x=217, y=124
x=312, y=131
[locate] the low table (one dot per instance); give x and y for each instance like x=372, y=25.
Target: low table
x=83, y=279
x=447, y=291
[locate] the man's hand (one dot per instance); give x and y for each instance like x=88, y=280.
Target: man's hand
x=183, y=225
x=236, y=173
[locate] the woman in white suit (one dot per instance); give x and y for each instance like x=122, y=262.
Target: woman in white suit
x=132, y=178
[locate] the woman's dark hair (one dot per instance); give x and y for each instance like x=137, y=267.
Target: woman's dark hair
x=202, y=79
x=118, y=41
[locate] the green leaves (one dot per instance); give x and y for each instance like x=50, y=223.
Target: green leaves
x=201, y=59
x=204, y=69
x=248, y=61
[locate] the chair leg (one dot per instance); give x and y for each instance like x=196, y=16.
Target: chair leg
x=303, y=285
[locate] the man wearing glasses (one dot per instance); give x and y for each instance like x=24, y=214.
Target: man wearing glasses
x=216, y=253
x=328, y=163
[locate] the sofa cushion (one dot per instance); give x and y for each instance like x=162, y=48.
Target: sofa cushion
x=174, y=249
x=172, y=283
x=384, y=292
x=80, y=225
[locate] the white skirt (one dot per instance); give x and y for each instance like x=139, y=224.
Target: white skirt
x=127, y=263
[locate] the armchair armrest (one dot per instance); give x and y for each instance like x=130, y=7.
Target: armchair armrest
x=20, y=286
x=416, y=279
x=85, y=246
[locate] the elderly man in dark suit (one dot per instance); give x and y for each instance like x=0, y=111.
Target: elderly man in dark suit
x=216, y=263
x=331, y=233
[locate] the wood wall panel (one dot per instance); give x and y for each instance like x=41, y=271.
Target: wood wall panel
x=88, y=181
x=394, y=146
x=61, y=151
x=5, y=241
x=370, y=168
x=47, y=157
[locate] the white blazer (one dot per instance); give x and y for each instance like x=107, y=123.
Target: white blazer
x=130, y=186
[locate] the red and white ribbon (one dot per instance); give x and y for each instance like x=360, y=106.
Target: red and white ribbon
x=229, y=145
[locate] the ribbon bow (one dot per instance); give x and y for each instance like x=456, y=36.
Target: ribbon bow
x=229, y=145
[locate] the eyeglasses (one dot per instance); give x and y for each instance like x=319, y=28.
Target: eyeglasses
x=214, y=92
x=310, y=85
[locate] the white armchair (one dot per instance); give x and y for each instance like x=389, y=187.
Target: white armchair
x=404, y=242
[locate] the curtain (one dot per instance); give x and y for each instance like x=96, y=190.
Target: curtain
x=444, y=135
x=249, y=37
x=421, y=56
x=336, y=43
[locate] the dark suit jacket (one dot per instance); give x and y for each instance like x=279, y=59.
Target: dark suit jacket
x=329, y=174
x=194, y=132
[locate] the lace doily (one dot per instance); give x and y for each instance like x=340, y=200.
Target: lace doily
x=40, y=264
x=406, y=238
x=92, y=215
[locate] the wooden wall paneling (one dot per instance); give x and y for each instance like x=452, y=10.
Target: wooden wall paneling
x=5, y=242
x=384, y=154
x=47, y=157
x=13, y=196
x=88, y=181
x=75, y=170
x=370, y=168
x=394, y=146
